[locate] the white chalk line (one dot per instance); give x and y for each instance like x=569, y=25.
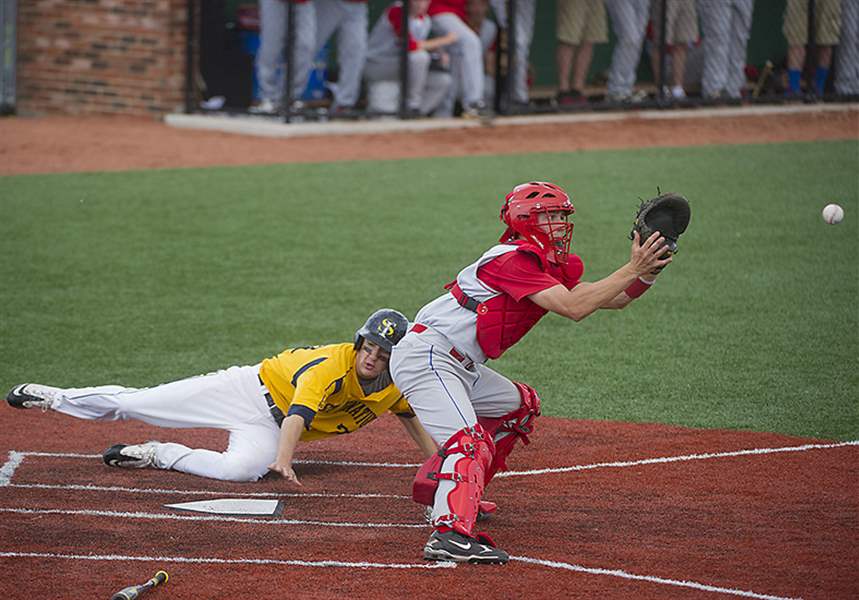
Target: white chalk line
x=162, y=491
x=338, y=463
x=16, y=458
x=172, y=517
x=648, y=578
x=365, y=565
x=231, y=561
x=8, y=468
x=670, y=459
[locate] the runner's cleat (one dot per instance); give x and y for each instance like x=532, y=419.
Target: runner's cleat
x=33, y=395
x=137, y=456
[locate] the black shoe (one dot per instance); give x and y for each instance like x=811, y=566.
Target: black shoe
x=130, y=457
x=456, y=547
x=476, y=110
x=32, y=395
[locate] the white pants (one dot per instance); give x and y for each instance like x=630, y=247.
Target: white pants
x=446, y=395
x=232, y=399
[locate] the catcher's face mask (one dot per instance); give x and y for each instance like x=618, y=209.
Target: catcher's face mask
x=539, y=212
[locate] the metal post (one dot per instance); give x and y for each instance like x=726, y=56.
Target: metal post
x=190, y=63
x=811, y=54
x=511, y=55
x=663, y=55
x=496, y=100
x=404, y=60
x=289, y=55
x=8, y=52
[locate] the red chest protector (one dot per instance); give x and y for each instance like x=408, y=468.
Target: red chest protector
x=501, y=321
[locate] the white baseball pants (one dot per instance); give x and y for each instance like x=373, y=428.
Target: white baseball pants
x=232, y=399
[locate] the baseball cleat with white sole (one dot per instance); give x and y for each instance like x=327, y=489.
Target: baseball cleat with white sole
x=137, y=456
x=33, y=395
x=454, y=546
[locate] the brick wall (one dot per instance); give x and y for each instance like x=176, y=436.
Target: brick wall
x=101, y=56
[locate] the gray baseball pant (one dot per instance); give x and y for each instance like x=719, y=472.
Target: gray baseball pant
x=466, y=57
x=349, y=19
x=446, y=394
x=726, y=25
x=270, y=56
x=426, y=88
x=525, y=14
x=847, y=61
x=629, y=21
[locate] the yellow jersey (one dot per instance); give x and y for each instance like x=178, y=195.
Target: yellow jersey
x=320, y=384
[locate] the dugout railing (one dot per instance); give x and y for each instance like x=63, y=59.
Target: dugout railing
x=765, y=66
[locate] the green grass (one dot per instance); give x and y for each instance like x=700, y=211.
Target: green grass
x=143, y=277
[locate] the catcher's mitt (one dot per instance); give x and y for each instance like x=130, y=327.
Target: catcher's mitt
x=668, y=214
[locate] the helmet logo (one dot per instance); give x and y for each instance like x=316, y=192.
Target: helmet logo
x=386, y=328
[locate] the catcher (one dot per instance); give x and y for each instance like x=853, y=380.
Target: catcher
x=473, y=413
x=302, y=393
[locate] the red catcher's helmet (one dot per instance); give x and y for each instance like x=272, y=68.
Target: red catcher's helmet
x=520, y=213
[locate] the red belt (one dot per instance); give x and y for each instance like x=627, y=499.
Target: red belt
x=467, y=362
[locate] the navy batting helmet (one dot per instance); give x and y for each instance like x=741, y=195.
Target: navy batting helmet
x=385, y=328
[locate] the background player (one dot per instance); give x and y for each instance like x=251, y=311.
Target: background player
x=427, y=87
x=302, y=393
x=472, y=412
x=349, y=19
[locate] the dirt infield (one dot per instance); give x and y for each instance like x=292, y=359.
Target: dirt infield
x=590, y=510
x=67, y=144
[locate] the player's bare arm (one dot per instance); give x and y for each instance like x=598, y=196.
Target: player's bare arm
x=437, y=42
x=623, y=299
x=586, y=297
x=290, y=432
x=422, y=439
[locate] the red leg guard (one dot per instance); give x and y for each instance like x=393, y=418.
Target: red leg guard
x=512, y=426
x=475, y=451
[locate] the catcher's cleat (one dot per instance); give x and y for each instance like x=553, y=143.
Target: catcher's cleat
x=136, y=456
x=33, y=395
x=453, y=546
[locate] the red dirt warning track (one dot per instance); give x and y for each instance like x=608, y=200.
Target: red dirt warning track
x=69, y=144
x=773, y=524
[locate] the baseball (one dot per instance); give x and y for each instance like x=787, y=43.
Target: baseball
x=832, y=214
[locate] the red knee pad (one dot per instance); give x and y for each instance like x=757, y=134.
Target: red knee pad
x=514, y=425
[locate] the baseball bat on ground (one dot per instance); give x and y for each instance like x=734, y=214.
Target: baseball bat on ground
x=134, y=591
x=762, y=79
